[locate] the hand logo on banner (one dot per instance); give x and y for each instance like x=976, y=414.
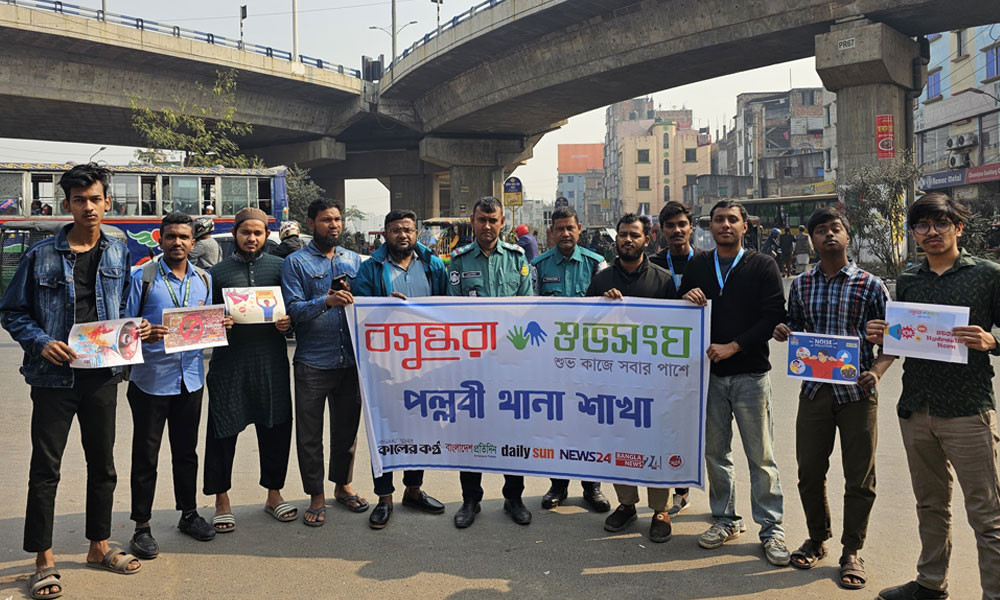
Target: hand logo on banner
x=519, y=337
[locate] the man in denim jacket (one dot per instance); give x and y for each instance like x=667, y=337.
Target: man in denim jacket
x=80, y=275
x=316, y=283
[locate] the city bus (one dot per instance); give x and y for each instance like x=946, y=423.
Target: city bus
x=789, y=211
x=141, y=195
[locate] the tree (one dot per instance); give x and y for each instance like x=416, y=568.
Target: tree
x=353, y=214
x=202, y=127
x=301, y=191
x=875, y=205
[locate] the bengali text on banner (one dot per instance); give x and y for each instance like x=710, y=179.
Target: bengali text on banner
x=576, y=388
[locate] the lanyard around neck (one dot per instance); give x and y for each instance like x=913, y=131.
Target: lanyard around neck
x=670, y=265
x=718, y=269
x=173, y=296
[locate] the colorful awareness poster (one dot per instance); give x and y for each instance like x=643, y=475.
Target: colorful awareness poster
x=100, y=344
x=194, y=328
x=254, y=304
x=825, y=358
x=573, y=388
x=924, y=331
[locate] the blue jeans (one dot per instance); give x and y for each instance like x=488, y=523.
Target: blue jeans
x=748, y=398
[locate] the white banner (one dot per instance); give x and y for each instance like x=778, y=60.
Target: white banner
x=572, y=388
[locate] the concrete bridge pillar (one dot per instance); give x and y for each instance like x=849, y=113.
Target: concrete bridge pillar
x=418, y=193
x=333, y=187
x=875, y=71
x=477, y=167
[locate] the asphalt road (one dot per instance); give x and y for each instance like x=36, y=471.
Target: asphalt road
x=564, y=553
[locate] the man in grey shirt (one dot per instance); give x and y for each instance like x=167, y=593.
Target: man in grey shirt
x=206, y=251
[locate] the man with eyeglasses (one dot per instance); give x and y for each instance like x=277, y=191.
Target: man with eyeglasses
x=402, y=268
x=947, y=413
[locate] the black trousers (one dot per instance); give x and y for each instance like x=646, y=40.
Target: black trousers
x=384, y=487
x=273, y=446
x=816, y=426
x=181, y=413
x=472, y=486
x=314, y=390
x=562, y=484
x=52, y=411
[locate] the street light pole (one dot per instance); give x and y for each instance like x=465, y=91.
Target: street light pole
x=101, y=149
x=976, y=90
x=243, y=16
x=392, y=60
x=295, y=30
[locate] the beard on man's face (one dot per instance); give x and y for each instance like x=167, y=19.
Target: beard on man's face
x=329, y=240
x=399, y=253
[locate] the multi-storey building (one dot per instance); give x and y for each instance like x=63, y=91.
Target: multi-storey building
x=957, y=117
x=581, y=181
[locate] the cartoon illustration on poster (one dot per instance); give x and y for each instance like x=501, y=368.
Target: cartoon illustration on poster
x=827, y=358
x=924, y=331
x=194, y=328
x=254, y=305
x=102, y=344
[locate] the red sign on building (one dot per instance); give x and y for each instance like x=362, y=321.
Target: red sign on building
x=885, y=133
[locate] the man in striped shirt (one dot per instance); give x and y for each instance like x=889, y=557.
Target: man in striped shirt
x=836, y=297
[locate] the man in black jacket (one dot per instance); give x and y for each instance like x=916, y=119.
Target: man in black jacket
x=749, y=302
x=676, y=227
x=633, y=275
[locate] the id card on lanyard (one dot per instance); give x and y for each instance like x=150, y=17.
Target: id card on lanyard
x=186, y=287
x=670, y=265
x=718, y=269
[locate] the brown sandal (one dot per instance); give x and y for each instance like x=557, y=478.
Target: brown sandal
x=852, y=566
x=808, y=554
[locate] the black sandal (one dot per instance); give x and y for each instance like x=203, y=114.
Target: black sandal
x=852, y=566
x=808, y=554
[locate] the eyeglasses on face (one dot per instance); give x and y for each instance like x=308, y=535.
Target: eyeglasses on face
x=402, y=231
x=923, y=228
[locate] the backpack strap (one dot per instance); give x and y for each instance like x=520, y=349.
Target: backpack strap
x=149, y=276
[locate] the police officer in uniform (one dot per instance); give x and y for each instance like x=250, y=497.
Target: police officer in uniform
x=565, y=271
x=489, y=267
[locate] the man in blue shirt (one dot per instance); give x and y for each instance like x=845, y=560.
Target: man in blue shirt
x=166, y=389
x=77, y=276
x=316, y=284
x=402, y=268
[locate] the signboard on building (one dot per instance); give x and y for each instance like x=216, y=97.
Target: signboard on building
x=513, y=192
x=885, y=133
x=972, y=175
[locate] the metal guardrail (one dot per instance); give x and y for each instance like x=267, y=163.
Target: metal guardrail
x=449, y=24
x=179, y=32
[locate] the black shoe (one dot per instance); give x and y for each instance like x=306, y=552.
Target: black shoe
x=197, y=527
x=380, y=516
x=467, y=514
x=659, y=529
x=912, y=591
x=620, y=519
x=519, y=513
x=596, y=499
x=554, y=497
x=424, y=503
x=143, y=545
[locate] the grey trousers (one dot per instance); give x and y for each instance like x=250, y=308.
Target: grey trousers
x=937, y=450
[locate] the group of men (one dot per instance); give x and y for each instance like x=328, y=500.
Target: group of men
x=946, y=412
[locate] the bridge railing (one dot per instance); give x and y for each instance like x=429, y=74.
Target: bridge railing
x=445, y=26
x=179, y=32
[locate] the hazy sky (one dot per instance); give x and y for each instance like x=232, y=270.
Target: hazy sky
x=337, y=30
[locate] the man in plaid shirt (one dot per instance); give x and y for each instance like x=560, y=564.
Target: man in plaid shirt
x=836, y=298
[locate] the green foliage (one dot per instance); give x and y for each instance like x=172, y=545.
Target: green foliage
x=874, y=200
x=202, y=127
x=353, y=214
x=979, y=227
x=301, y=191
